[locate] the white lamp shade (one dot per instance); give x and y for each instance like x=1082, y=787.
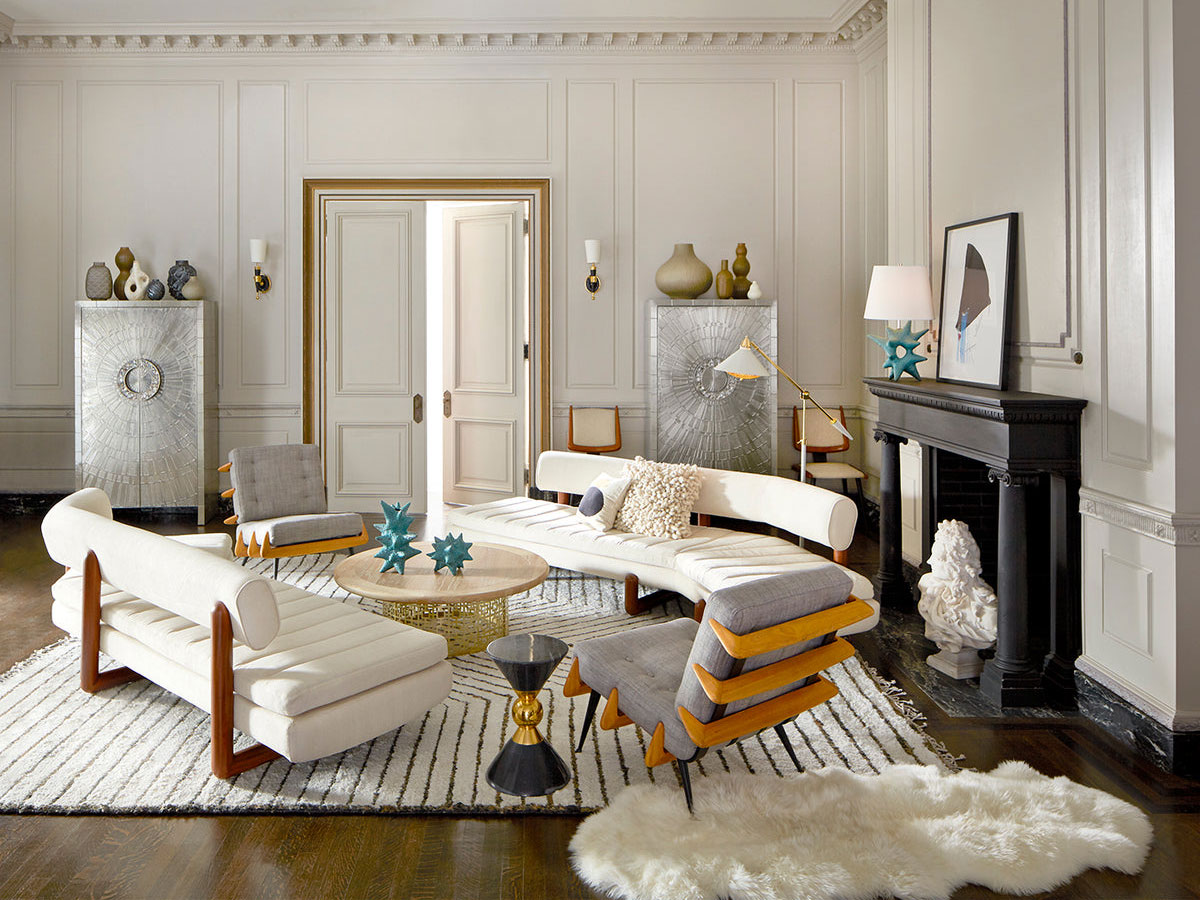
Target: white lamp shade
x=258, y=251
x=742, y=363
x=591, y=249
x=899, y=292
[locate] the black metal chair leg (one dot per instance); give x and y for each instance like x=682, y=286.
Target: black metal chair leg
x=787, y=745
x=686, y=778
x=245, y=559
x=593, y=702
x=276, y=575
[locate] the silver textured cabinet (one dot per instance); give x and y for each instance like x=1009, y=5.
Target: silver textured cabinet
x=145, y=403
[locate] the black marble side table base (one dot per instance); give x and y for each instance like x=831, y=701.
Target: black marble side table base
x=527, y=766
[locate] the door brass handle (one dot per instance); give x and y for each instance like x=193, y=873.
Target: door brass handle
x=446, y=404
x=418, y=408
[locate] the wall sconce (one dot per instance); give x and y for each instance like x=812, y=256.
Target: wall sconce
x=591, y=250
x=258, y=255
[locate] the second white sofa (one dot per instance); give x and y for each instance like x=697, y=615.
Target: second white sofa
x=711, y=558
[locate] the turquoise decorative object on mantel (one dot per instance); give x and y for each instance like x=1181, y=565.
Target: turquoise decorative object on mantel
x=450, y=552
x=901, y=339
x=396, y=538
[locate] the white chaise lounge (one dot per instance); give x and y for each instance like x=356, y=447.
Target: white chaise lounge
x=711, y=558
x=304, y=675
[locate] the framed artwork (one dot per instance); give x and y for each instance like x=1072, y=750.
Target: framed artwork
x=978, y=272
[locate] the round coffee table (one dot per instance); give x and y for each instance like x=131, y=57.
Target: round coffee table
x=469, y=609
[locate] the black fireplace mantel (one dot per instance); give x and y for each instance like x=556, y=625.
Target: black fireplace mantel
x=1022, y=437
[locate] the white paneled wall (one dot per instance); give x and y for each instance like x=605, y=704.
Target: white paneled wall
x=1069, y=113
x=190, y=156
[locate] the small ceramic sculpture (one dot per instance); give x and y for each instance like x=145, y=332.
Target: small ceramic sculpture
x=123, y=259
x=901, y=345
x=135, y=285
x=755, y=292
x=450, y=552
x=178, y=276
x=192, y=289
x=683, y=276
x=958, y=607
x=98, y=283
x=741, y=269
x=395, y=537
x=155, y=290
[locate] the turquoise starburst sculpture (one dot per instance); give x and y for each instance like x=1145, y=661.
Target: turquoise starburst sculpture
x=397, y=540
x=450, y=552
x=901, y=345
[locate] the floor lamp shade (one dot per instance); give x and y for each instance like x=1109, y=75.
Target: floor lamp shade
x=899, y=292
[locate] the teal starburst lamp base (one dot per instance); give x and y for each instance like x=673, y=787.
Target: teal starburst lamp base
x=450, y=553
x=901, y=345
x=395, y=537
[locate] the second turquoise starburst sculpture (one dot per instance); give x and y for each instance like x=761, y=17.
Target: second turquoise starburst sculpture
x=898, y=363
x=396, y=538
x=450, y=552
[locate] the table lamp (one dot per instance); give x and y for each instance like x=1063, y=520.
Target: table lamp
x=743, y=364
x=900, y=292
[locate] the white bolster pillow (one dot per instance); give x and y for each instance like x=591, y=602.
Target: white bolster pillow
x=180, y=579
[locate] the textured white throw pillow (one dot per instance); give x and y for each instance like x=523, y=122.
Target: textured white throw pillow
x=599, y=504
x=660, y=498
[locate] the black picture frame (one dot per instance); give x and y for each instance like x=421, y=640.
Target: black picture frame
x=975, y=325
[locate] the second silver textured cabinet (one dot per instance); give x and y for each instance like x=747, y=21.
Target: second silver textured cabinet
x=145, y=403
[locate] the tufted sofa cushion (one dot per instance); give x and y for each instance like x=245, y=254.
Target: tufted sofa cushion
x=645, y=665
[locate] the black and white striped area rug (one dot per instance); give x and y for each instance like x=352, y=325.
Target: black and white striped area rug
x=138, y=749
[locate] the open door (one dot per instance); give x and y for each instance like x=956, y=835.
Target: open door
x=484, y=363
x=374, y=378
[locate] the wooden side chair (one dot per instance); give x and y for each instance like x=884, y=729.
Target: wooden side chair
x=824, y=439
x=594, y=429
x=279, y=505
x=750, y=664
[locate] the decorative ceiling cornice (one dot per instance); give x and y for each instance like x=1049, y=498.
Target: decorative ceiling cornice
x=637, y=38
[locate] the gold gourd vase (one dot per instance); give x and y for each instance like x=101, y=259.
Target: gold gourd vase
x=741, y=268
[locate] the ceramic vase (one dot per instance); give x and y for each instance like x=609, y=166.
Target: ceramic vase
x=755, y=292
x=741, y=268
x=192, y=289
x=724, y=281
x=123, y=259
x=98, y=285
x=178, y=276
x=135, y=284
x=155, y=290
x=683, y=276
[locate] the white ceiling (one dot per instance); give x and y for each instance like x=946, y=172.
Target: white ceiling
x=48, y=16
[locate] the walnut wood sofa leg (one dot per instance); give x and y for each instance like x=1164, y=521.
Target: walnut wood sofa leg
x=698, y=612
x=564, y=499
x=91, y=679
x=226, y=763
x=633, y=604
x=841, y=557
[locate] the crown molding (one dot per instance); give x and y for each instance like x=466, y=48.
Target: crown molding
x=640, y=36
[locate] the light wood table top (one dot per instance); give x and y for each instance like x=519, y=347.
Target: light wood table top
x=494, y=571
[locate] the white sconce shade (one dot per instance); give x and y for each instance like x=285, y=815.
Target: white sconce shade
x=899, y=292
x=591, y=249
x=258, y=251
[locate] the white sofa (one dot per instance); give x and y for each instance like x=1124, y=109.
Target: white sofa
x=696, y=566
x=304, y=675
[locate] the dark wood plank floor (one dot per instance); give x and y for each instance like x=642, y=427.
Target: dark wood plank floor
x=440, y=857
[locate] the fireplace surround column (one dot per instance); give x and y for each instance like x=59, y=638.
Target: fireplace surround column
x=890, y=587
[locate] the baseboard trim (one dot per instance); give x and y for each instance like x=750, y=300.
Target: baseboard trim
x=1177, y=752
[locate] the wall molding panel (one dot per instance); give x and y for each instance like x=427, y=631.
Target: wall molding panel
x=1170, y=528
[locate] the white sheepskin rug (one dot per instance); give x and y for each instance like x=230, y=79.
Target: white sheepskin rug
x=911, y=831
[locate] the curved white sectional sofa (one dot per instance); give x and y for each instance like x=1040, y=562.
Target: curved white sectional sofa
x=695, y=566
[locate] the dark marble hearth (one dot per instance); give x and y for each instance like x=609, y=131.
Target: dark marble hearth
x=1175, y=751
x=27, y=504
x=902, y=636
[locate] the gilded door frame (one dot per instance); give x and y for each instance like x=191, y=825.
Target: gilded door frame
x=317, y=191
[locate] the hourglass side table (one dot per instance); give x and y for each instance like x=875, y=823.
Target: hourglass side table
x=527, y=766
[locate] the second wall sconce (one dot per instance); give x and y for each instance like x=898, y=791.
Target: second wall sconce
x=258, y=255
x=591, y=250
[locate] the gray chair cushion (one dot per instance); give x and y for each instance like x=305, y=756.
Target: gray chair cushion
x=278, y=480
x=645, y=666
x=747, y=607
x=302, y=529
